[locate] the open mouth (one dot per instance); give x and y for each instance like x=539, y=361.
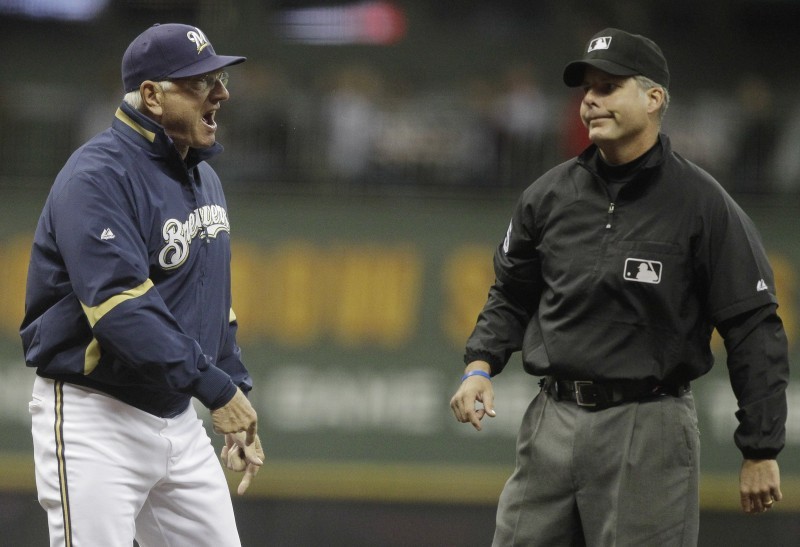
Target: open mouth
x=208, y=120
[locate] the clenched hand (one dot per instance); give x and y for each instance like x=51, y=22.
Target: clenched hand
x=759, y=485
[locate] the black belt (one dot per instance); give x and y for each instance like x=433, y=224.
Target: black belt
x=597, y=395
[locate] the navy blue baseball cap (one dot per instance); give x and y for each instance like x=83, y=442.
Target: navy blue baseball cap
x=170, y=51
x=622, y=54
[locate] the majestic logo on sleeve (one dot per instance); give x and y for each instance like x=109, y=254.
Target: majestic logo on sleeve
x=205, y=222
x=642, y=271
x=198, y=38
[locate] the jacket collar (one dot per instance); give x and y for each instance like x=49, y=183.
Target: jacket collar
x=591, y=155
x=151, y=136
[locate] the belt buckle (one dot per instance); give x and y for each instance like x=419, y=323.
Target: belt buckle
x=580, y=397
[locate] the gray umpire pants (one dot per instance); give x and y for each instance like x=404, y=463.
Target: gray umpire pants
x=623, y=476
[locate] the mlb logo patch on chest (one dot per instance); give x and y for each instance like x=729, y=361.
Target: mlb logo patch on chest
x=641, y=270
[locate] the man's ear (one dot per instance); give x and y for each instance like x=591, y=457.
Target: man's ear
x=655, y=98
x=152, y=98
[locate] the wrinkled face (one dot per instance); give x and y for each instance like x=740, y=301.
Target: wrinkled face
x=615, y=109
x=189, y=110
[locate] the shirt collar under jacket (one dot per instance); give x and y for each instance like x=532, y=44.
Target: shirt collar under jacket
x=591, y=155
x=590, y=159
x=151, y=136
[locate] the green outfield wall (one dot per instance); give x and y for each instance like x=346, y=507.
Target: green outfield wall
x=353, y=313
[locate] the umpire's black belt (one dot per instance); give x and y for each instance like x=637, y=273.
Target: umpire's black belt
x=596, y=395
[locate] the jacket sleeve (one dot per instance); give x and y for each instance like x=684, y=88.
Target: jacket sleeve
x=743, y=303
x=94, y=222
x=230, y=358
x=759, y=372
x=514, y=296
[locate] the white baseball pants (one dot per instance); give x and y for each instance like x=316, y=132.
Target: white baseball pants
x=107, y=472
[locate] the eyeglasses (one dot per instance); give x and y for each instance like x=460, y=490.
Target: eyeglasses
x=206, y=82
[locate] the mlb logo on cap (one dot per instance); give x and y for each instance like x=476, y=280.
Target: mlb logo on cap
x=600, y=43
x=631, y=55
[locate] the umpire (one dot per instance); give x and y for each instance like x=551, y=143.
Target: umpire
x=616, y=268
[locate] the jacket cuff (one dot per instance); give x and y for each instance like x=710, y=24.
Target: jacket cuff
x=760, y=454
x=478, y=355
x=214, y=388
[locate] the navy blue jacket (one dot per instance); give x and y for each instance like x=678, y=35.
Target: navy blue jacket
x=129, y=280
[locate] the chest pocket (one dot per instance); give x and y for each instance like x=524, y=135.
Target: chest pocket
x=650, y=262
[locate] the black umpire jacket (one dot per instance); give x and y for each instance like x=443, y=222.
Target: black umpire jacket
x=590, y=286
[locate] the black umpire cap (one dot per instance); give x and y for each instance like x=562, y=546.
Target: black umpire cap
x=622, y=54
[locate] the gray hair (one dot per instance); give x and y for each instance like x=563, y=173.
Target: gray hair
x=646, y=83
x=134, y=98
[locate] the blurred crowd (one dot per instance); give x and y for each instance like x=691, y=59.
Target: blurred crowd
x=358, y=128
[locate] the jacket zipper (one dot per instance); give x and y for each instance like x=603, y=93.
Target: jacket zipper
x=604, y=239
x=610, y=215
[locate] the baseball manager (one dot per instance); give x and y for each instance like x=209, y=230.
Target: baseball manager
x=128, y=317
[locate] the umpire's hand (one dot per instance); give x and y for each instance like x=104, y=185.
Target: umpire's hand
x=474, y=389
x=759, y=485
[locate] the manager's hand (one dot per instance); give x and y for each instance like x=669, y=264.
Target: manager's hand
x=237, y=415
x=239, y=456
x=474, y=389
x=759, y=485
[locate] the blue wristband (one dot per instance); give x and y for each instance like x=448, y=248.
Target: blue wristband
x=476, y=373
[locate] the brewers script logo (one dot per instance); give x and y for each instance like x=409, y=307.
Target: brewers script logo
x=207, y=221
x=198, y=38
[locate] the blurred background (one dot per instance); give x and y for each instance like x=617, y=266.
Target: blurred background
x=374, y=152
